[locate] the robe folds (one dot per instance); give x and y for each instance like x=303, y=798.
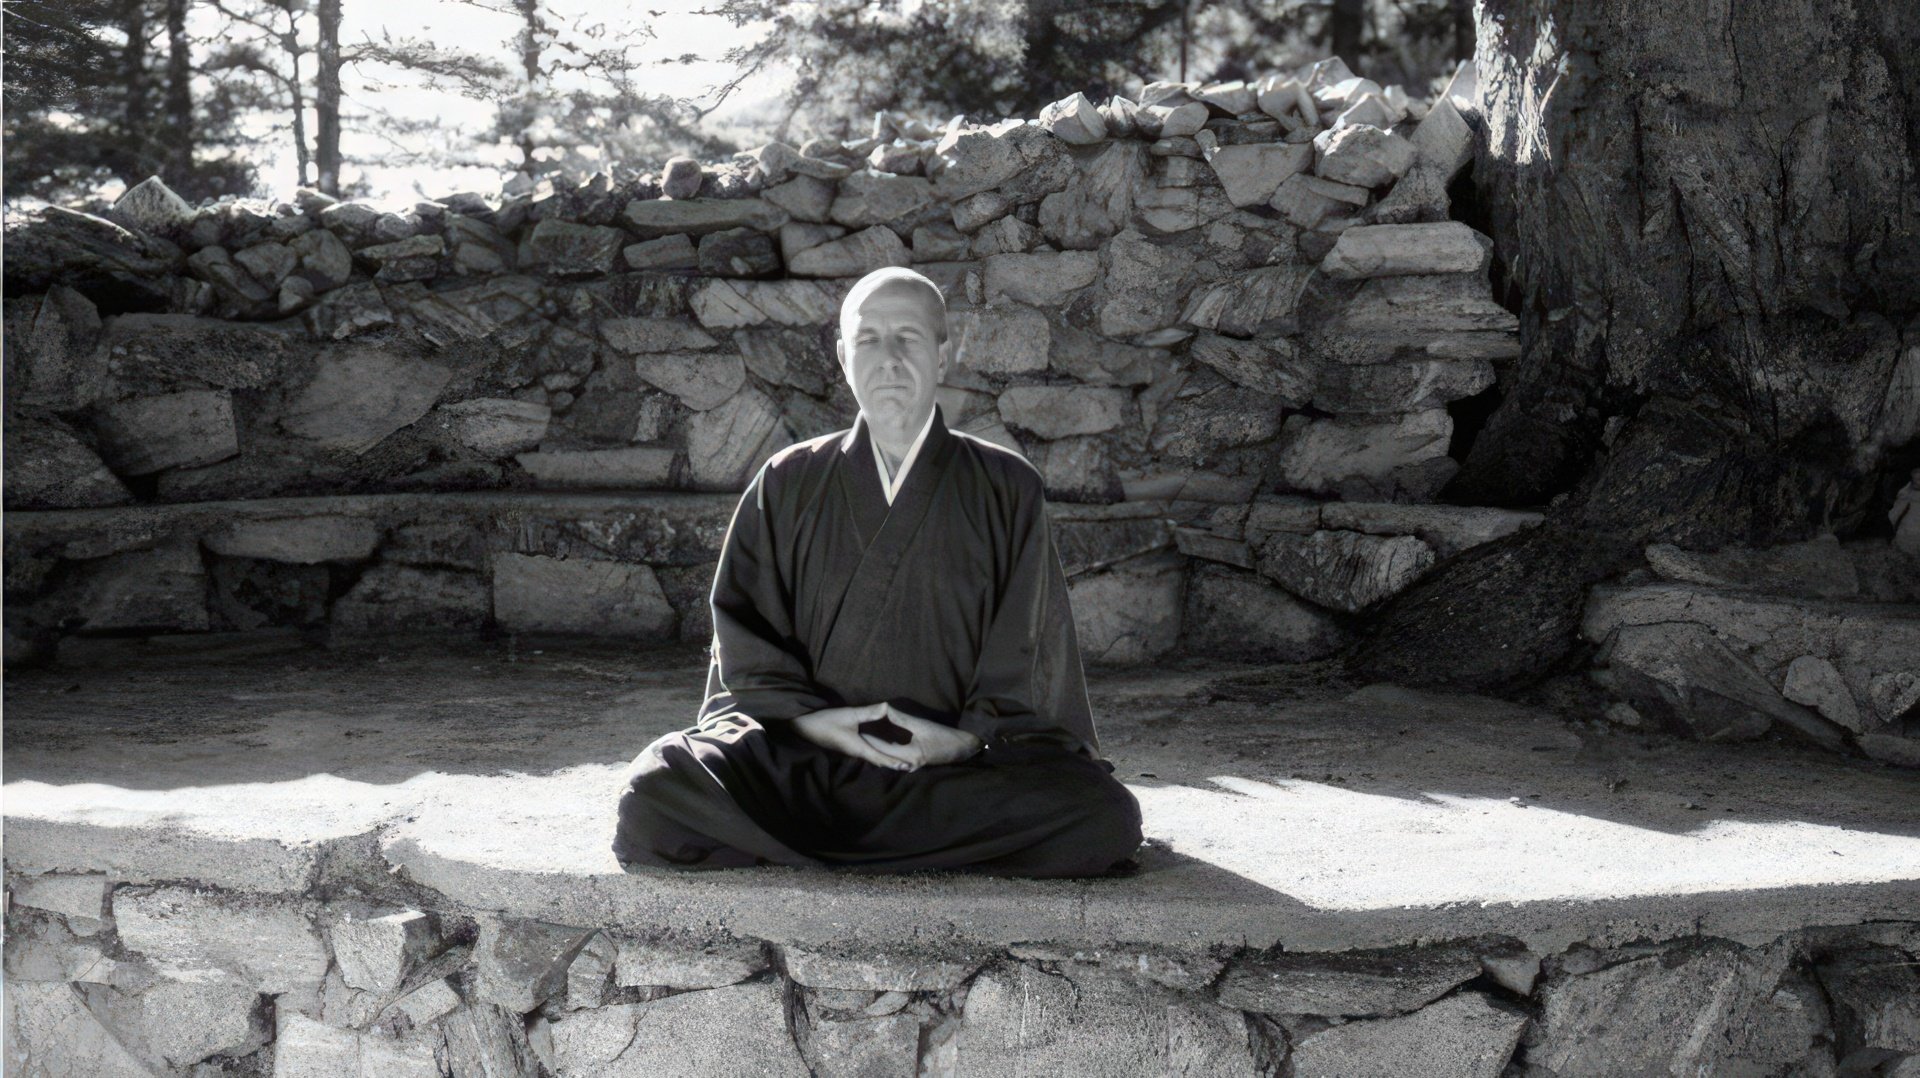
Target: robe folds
x=950, y=604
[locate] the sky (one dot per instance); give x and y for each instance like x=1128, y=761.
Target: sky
x=678, y=26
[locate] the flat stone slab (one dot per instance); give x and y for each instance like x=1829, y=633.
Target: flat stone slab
x=1280, y=807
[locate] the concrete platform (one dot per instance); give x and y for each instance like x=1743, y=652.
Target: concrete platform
x=1282, y=807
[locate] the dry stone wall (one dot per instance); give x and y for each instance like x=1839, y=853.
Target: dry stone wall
x=1202, y=316
x=111, y=978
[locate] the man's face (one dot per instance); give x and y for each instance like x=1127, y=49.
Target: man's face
x=894, y=356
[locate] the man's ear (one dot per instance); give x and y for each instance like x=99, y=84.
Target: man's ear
x=946, y=357
x=840, y=352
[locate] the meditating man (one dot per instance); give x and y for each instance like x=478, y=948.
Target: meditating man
x=895, y=682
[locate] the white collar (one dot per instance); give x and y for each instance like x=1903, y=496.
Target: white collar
x=890, y=485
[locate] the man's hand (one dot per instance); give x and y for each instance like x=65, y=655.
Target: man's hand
x=838, y=728
x=933, y=743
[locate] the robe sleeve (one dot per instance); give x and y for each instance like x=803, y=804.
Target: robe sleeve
x=1028, y=685
x=757, y=661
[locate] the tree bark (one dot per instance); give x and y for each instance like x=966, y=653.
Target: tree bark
x=326, y=98
x=179, y=94
x=1708, y=219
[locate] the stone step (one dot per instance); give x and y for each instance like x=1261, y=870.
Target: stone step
x=1722, y=662
x=356, y=837
x=638, y=565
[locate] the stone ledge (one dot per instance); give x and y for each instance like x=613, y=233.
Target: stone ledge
x=1377, y=818
x=269, y=855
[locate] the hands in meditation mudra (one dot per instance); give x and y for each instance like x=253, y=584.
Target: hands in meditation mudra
x=886, y=737
x=895, y=682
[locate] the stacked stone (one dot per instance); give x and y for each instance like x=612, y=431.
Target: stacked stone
x=1818, y=640
x=110, y=978
x=1173, y=307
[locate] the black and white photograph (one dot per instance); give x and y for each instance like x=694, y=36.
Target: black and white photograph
x=960, y=538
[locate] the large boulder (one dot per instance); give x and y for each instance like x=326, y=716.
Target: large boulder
x=1252, y=172
x=51, y=1030
x=728, y=443
x=1463, y=1036
x=849, y=256
x=1131, y=612
x=574, y=250
x=359, y=395
x=1052, y=412
x=1447, y=316
x=1872, y=645
x=143, y=435
x=1259, y=303
x=969, y=160
x=1407, y=250
x=1362, y=155
x=1005, y=339
x=52, y=354
x=701, y=380
x=1082, y=215
x=157, y=353
x=1045, y=279
x=49, y=467
x=1402, y=458
x=737, y=1030
x=1709, y=1008
x=152, y=206
x=727, y=304
x=1274, y=367
x=1209, y=415
x=1679, y=674
x=188, y=934
x=1020, y=1020
x=1442, y=146
x=871, y=198
x=1143, y=285
x=494, y=426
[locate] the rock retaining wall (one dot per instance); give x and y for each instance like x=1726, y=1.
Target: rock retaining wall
x=107, y=978
x=1179, y=309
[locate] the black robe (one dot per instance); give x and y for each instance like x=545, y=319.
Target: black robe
x=949, y=604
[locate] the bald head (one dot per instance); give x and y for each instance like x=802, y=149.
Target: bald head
x=896, y=279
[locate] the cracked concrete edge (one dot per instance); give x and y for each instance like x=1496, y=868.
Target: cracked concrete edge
x=794, y=907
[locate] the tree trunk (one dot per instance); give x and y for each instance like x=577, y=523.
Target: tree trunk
x=530, y=48
x=326, y=98
x=1706, y=217
x=1344, y=24
x=179, y=94
x=136, y=117
x=290, y=41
